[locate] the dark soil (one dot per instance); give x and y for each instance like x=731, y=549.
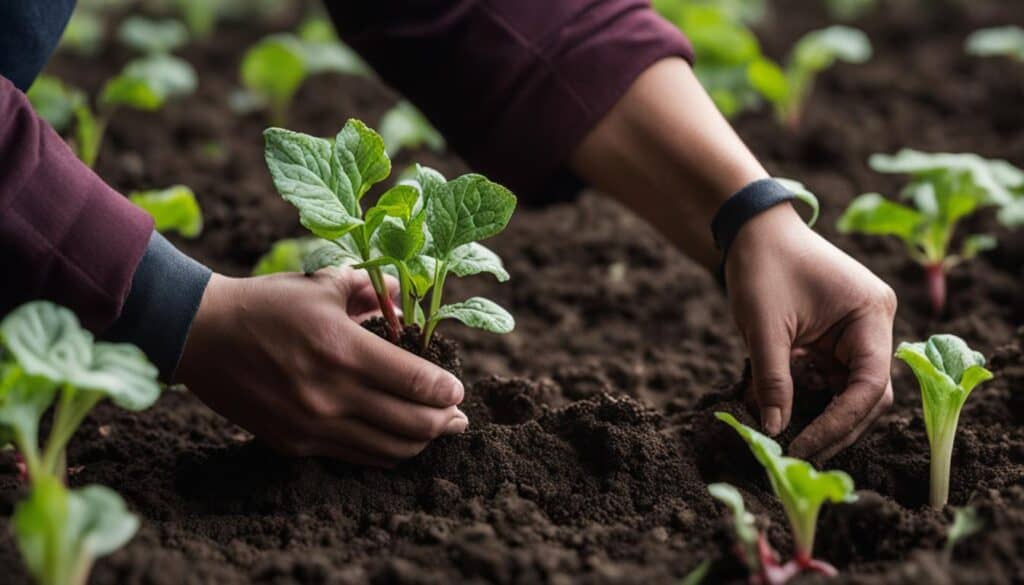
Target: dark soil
x=591, y=438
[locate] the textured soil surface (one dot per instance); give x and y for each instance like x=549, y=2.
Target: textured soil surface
x=591, y=438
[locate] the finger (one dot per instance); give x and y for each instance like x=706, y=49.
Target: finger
x=863, y=427
x=403, y=374
x=402, y=417
x=771, y=378
x=864, y=347
x=339, y=437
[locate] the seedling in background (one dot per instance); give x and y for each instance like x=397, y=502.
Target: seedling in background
x=802, y=491
x=944, y=189
x=788, y=89
x=752, y=547
x=274, y=69
x=149, y=36
x=947, y=371
x=173, y=209
x=966, y=522
x=403, y=126
x=850, y=9
x=48, y=357
x=84, y=33
x=287, y=255
x=1006, y=41
x=422, y=229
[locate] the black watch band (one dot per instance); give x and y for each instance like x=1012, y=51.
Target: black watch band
x=740, y=208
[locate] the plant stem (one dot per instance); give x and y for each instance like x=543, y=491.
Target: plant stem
x=936, y=275
x=440, y=271
x=387, y=306
x=942, y=456
x=71, y=410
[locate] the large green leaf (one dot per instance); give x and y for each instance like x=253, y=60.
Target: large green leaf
x=875, y=215
x=342, y=252
x=473, y=258
x=359, y=159
x=166, y=75
x=398, y=202
x=305, y=177
x=995, y=177
x=173, y=209
x=275, y=67
x=23, y=400
x=996, y=41
x=152, y=36
x=467, y=209
x=480, y=313
x=401, y=240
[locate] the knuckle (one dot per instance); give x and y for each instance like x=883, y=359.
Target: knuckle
x=434, y=384
x=887, y=399
x=772, y=386
x=409, y=449
x=886, y=298
x=318, y=404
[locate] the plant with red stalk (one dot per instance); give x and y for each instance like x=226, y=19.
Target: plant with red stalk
x=944, y=189
x=802, y=491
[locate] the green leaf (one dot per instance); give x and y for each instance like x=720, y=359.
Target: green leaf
x=473, y=258
x=769, y=80
x=200, y=16
x=819, y=49
x=173, y=209
x=401, y=241
x=801, y=489
x=342, y=253
x=966, y=522
x=427, y=180
x=275, y=67
x=152, y=36
x=287, y=255
x=480, y=313
x=874, y=215
x=744, y=524
x=467, y=209
x=54, y=101
x=23, y=400
x=803, y=194
x=133, y=92
x=398, y=201
x=88, y=135
x=359, y=159
x=1012, y=214
x=166, y=75
x=84, y=33
x=976, y=244
x=997, y=41
x=697, y=575
x=60, y=532
x=421, y=274
x=403, y=126
x=304, y=175
x=995, y=177
x=46, y=340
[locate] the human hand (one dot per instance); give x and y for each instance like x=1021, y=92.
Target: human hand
x=284, y=357
x=789, y=288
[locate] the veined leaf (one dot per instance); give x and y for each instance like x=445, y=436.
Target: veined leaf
x=467, y=209
x=480, y=313
x=173, y=209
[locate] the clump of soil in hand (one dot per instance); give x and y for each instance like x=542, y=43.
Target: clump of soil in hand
x=442, y=351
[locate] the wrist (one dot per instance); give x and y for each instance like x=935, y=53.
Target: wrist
x=210, y=317
x=763, y=235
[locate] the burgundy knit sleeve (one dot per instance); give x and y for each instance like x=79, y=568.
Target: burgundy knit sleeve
x=515, y=85
x=65, y=235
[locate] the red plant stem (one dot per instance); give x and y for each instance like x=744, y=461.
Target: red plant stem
x=19, y=462
x=936, y=276
x=387, y=306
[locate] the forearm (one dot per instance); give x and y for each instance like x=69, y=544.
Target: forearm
x=667, y=153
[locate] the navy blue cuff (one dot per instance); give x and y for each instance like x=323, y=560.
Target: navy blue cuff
x=740, y=208
x=165, y=295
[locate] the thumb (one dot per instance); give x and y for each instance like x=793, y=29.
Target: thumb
x=773, y=384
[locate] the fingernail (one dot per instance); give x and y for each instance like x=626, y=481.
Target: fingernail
x=458, y=424
x=771, y=420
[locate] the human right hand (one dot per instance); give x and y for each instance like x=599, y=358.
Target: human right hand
x=284, y=357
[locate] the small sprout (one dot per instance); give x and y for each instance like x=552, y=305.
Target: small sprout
x=998, y=41
x=697, y=575
x=744, y=525
x=83, y=34
x=173, y=209
x=403, y=126
x=288, y=255
x=801, y=489
x=60, y=532
x=200, y=16
x=944, y=189
x=966, y=522
x=421, y=229
x=947, y=371
x=149, y=36
x=788, y=89
x=55, y=101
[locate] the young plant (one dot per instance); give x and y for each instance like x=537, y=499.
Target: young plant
x=966, y=522
x=802, y=491
x=150, y=37
x=752, y=547
x=788, y=89
x=998, y=41
x=947, y=371
x=172, y=209
x=287, y=255
x=403, y=126
x=48, y=357
x=84, y=33
x=422, y=229
x=274, y=69
x=944, y=189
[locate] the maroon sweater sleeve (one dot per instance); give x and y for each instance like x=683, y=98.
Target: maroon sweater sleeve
x=515, y=85
x=65, y=235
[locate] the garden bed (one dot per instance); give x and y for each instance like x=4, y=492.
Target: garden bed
x=591, y=440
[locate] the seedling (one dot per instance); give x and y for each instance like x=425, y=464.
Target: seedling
x=788, y=89
x=1005, y=41
x=49, y=358
x=149, y=36
x=403, y=126
x=966, y=522
x=947, y=371
x=802, y=491
x=172, y=209
x=287, y=255
x=84, y=33
x=274, y=69
x=752, y=547
x=422, y=229
x=944, y=189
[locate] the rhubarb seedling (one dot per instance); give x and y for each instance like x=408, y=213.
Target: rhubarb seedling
x=947, y=371
x=172, y=209
x=998, y=41
x=944, y=189
x=788, y=89
x=802, y=491
x=403, y=126
x=752, y=545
